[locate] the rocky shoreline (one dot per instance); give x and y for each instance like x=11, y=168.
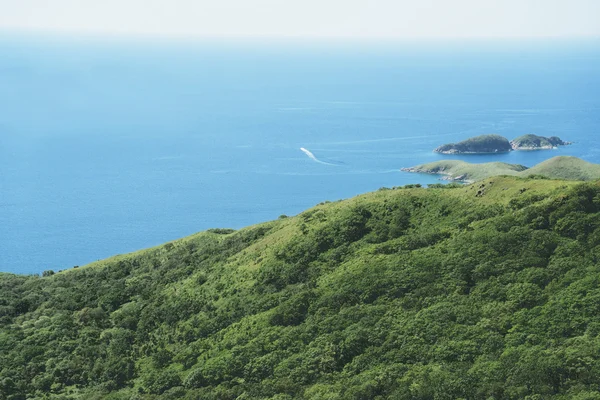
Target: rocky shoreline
x=445, y=176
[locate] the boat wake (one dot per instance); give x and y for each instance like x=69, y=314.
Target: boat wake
x=315, y=159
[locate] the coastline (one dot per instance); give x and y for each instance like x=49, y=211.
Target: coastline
x=444, y=176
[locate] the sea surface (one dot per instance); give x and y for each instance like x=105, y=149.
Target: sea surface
x=110, y=146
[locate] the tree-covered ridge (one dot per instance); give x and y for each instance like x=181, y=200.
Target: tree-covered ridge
x=477, y=145
x=484, y=291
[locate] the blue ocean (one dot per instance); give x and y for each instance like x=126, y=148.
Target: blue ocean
x=110, y=146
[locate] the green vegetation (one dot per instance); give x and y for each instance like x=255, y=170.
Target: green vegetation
x=477, y=145
x=498, y=144
x=534, y=142
x=464, y=171
x=561, y=167
x=487, y=291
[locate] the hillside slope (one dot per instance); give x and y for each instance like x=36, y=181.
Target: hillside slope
x=483, y=291
x=564, y=167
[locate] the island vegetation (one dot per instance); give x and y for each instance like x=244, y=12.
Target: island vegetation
x=486, y=144
x=534, y=142
x=486, y=291
x=477, y=145
x=560, y=167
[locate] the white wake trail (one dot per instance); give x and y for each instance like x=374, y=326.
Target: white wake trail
x=312, y=157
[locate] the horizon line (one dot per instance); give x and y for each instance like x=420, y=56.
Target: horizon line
x=83, y=34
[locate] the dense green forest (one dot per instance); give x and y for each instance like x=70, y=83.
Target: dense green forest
x=486, y=291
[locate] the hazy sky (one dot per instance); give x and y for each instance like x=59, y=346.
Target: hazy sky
x=309, y=18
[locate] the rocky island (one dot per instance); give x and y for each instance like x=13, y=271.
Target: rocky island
x=486, y=144
x=477, y=145
x=534, y=142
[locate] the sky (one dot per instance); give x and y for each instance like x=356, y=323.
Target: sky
x=393, y=19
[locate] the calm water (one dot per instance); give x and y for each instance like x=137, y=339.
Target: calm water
x=107, y=148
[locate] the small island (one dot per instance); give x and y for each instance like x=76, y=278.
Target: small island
x=534, y=142
x=561, y=167
x=492, y=144
x=477, y=145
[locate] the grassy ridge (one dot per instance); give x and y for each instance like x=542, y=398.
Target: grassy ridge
x=461, y=170
x=561, y=167
x=482, y=291
x=571, y=168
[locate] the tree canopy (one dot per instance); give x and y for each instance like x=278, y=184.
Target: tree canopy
x=484, y=291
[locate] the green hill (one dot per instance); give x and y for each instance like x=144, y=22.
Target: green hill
x=477, y=292
x=561, y=167
x=534, y=142
x=564, y=167
x=464, y=171
x=477, y=145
